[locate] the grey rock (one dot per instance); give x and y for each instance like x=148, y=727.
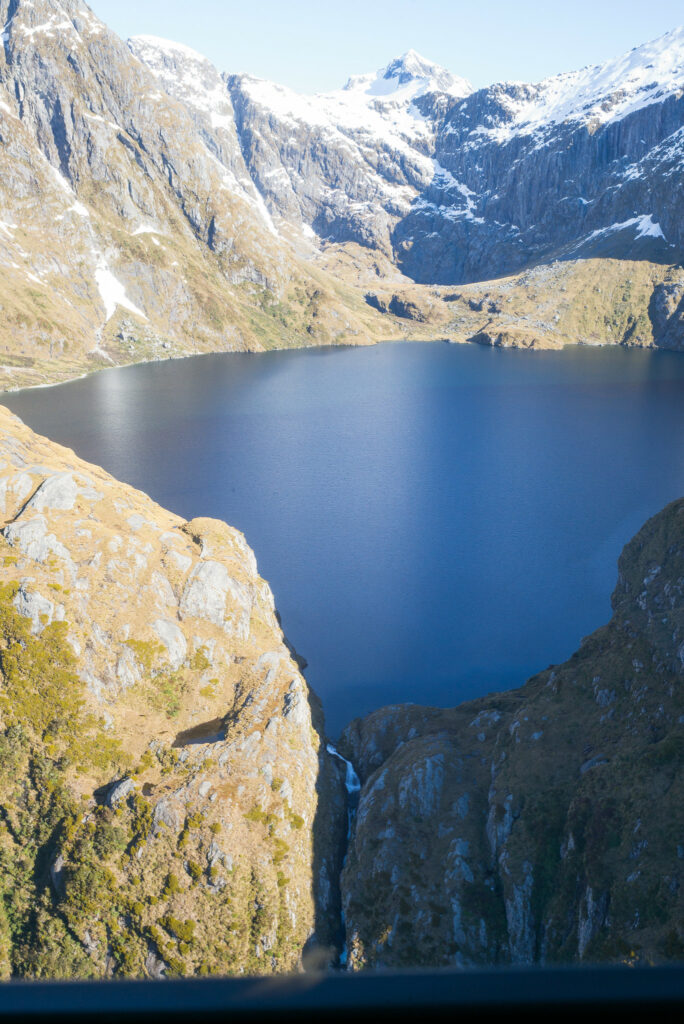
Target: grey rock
x=57, y=492
x=204, y=596
x=40, y=610
x=171, y=635
x=155, y=966
x=295, y=705
x=164, y=814
x=120, y=792
x=57, y=874
x=33, y=540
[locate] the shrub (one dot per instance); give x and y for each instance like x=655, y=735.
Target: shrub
x=199, y=662
x=172, y=886
x=184, y=931
x=194, y=870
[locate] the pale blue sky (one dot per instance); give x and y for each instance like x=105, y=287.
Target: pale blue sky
x=314, y=46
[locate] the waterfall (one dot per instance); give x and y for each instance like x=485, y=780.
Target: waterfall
x=352, y=784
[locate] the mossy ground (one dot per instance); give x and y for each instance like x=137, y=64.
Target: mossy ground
x=86, y=889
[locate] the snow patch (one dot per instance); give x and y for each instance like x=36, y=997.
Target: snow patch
x=113, y=293
x=649, y=228
x=48, y=28
x=645, y=226
x=61, y=180
x=167, y=46
x=78, y=208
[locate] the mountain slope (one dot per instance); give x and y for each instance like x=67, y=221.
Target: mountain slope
x=160, y=751
x=112, y=197
x=151, y=206
x=540, y=825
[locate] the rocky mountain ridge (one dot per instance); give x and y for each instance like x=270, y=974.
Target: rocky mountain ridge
x=166, y=803
x=267, y=219
x=111, y=198
x=457, y=185
x=542, y=825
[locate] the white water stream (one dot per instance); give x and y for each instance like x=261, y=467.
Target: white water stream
x=352, y=784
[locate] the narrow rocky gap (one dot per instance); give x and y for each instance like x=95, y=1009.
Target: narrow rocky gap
x=352, y=785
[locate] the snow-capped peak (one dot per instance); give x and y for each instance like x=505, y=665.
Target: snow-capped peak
x=187, y=76
x=410, y=75
x=605, y=92
x=147, y=47
x=411, y=65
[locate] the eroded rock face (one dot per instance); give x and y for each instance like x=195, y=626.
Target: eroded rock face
x=460, y=185
x=130, y=171
x=540, y=825
x=116, y=189
x=194, y=763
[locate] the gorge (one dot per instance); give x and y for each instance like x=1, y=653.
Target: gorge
x=494, y=832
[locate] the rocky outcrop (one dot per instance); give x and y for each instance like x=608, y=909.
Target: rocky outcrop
x=543, y=825
x=157, y=740
x=666, y=311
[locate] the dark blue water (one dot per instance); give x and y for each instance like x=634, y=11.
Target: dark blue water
x=436, y=521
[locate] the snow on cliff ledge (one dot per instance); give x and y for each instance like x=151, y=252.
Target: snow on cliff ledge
x=599, y=93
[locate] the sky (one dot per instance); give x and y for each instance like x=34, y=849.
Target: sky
x=315, y=45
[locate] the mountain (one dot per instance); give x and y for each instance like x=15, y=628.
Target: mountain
x=168, y=804
x=584, y=163
x=111, y=198
x=347, y=165
x=459, y=185
x=542, y=825
x=404, y=205
x=165, y=798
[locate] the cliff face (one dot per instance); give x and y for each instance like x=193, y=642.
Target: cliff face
x=114, y=193
x=160, y=765
x=540, y=825
x=130, y=172
x=581, y=164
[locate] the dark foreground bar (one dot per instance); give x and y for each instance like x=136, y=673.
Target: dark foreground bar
x=538, y=993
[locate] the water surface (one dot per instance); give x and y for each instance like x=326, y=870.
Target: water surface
x=436, y=521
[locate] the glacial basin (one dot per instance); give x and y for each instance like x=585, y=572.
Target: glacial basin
x=436, y=521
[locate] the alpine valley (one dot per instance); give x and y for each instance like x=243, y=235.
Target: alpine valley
x=405, y=204
x=169, y=801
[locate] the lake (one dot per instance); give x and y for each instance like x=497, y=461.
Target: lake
x=436, y=521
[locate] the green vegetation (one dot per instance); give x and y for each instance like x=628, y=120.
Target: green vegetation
x=79, y=881
x=199, y=662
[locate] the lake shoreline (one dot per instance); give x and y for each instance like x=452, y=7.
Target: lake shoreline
x=404, y=500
